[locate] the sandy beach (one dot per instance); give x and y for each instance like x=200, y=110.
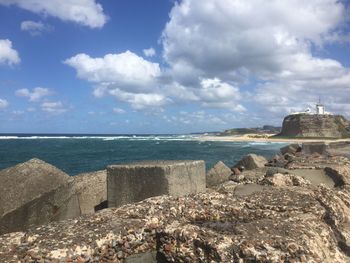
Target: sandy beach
x=263, y=138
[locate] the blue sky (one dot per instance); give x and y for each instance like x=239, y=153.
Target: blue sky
x=87, y=66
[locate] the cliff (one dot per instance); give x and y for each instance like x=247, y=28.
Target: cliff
x=315, y=126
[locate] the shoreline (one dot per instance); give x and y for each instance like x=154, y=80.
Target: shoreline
x=256, y=138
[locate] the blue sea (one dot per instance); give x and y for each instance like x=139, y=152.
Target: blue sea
x=76, y=154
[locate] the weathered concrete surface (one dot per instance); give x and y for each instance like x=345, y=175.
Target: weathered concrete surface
x=135, y=182
x=91, y=189
x=34, y=193
x=27, y=181
x=218, y=174
x=314, y=147
x=278, y=224
x=252, y=161
x=56, y=205
x=339, y=149
x=291, y=149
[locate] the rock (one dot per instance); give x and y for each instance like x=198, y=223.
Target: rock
x=339, y=149
x=138, y=181
x=315, y=125
x=238, y=178
x=91, y=189
x=249, y=189
x=274, y=170
x=34, y=193
x=235, y=171
x=288, y=157
x=218, y=174
x=272, y=224
x=282, y=180
x=291, y=149
x=309, y=148
x=227, y=187
x=252, y=161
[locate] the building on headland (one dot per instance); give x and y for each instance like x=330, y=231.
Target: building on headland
x=317, y=123
x=320, y=110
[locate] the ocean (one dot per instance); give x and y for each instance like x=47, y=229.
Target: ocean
x=75, y=154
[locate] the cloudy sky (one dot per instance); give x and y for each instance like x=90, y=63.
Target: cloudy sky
x=166, y=66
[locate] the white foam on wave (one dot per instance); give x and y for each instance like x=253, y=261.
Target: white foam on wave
x=107, y=138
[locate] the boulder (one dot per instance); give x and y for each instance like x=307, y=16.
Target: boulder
x=281, y=180
x=235, y=171
x=309, y=148
x=252, y=161
x=218, y=174
x=91, y=189
x=291, y=149
x=34, y=193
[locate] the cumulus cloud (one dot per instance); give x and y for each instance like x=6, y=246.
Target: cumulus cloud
x=35, y=94
x=123, y=69
x=214, y=49
x=8, y=55
x=55, y=107
x=35, y=28
x=215, y=93
x=218, y=39
x=3, y=104
x=149, y=52
x=126, y=76
x=85, y=12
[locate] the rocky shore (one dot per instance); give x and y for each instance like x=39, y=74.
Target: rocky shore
x=292, y=208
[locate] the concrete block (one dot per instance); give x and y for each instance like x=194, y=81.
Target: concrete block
x=137, y=181
x=314, y=147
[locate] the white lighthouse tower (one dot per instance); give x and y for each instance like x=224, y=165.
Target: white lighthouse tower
x=320, y=108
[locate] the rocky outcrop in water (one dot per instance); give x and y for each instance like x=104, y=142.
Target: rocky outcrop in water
x=315, y=126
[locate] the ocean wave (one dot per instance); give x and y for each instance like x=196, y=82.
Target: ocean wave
x=106, y=138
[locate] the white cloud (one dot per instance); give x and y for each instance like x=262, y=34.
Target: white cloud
x=126, y=76
x=3, y=104
x=84, y=12
x=215, y=93
x=141, y=101
x=55, y=107
x=218, y=39
x=119, y=111
x=213, y=50
x=35, y=95
x=123, y=69
x=149, y=52
x=35, y=28
x=7, y=54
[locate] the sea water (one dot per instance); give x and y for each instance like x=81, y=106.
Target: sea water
x=76, y=154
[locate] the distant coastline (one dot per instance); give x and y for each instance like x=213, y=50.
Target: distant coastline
x=264, y=138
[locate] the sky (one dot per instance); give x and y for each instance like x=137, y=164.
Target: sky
x=166, y=66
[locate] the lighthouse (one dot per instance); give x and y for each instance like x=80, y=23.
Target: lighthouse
x=320, y=108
